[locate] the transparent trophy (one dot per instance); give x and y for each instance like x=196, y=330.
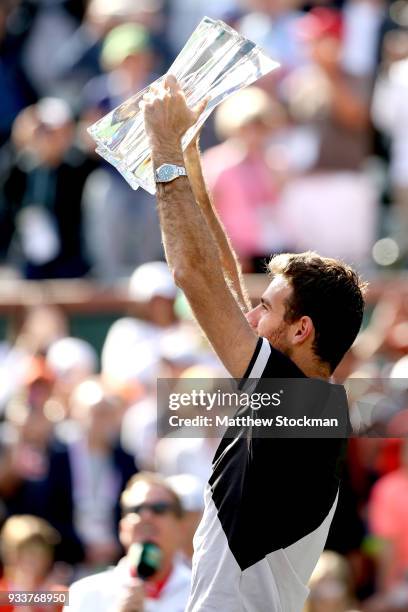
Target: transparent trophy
x=215, y=62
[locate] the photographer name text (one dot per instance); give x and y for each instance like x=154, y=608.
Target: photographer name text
x=248, y=421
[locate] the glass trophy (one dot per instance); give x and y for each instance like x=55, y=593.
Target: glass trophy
x=215, y=62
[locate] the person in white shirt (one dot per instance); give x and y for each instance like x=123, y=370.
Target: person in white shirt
x=152, y=512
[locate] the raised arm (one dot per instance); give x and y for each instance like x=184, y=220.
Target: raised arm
x=229, y=261
x=190, y=248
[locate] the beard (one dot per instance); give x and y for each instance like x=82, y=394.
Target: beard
x=279, y=339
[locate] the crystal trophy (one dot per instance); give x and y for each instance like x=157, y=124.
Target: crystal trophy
x=215, y=62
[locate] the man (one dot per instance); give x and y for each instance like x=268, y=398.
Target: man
x=332, y=105
x=269, y=503
x=121, y=228
x=152, y=512
x=99, y=469
x=131, y=352
x=43, y=219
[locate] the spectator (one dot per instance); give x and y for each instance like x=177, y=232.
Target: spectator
x=127, y=58
x=79, y=59
x=245, y=178
x=71, y=360
x=151, y=512
x=45, y=215
x=27, y=554
x=51, y=24
x=132, y=346
x=35, y=476
x=41, y=326
x=99, y=470
x=122, y=229
x=272, y=24
x=331, y=587
x=178, y=349
x=333, y=106
x=15, y=84
x=388, y=521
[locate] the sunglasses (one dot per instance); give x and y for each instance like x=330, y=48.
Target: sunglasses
x=158, y=508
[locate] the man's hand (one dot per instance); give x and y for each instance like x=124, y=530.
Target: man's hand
x=166, y=113
x=132, y=599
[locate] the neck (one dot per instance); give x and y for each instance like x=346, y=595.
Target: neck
x=311, y=367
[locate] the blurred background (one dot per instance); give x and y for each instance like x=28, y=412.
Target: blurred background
x=314, y=155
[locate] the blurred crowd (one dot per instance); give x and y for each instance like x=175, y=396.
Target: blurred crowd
x=314, y=155
x=76, y=427
x=324, y=135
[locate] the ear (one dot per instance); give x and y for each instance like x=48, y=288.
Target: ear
x=303, y=329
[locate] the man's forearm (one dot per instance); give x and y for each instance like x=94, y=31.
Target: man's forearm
x=229, y=262
x=189, y=245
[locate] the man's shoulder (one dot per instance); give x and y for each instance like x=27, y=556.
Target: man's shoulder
x=177, y=589
x=91, y=583
x=96, y=592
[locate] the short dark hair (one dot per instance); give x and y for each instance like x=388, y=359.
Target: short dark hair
x=330, y=292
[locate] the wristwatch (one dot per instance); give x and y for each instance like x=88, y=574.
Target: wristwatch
x=168, y=172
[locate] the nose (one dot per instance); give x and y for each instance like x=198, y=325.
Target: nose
x=146, y=514
x=253, y=317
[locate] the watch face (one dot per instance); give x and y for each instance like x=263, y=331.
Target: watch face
x=166, y=173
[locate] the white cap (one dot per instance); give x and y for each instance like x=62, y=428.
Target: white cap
x=189, y=488
x=124, y=8
x=54, y=112
x=150, y=280
x=69, y=354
